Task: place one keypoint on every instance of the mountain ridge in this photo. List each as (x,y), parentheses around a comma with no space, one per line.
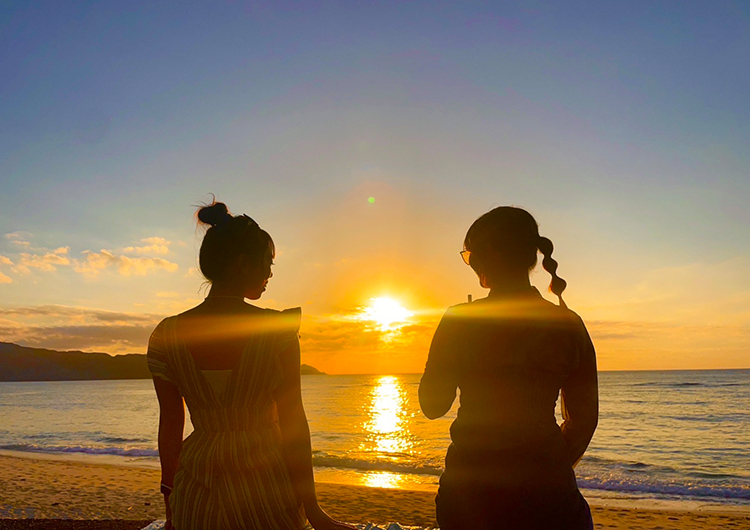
(22,363)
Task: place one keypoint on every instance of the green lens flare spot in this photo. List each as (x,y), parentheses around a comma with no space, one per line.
(371,200)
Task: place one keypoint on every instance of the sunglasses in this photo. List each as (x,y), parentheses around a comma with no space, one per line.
(466,256)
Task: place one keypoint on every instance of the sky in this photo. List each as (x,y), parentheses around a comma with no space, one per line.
(623,127)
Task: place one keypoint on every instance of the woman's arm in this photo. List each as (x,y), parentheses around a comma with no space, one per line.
(171,410)
(171,428)
(580,400)
(437,389)
(295,439)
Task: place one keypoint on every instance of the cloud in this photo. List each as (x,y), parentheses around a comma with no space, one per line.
(642,345)
(74,314)
(689,294)
(17,235)
(96,262)
(4,278)
(110,339)
(155,245)
(19,238)
(624,330)
(92,263)
(342,334)
(76,328)
(48,261)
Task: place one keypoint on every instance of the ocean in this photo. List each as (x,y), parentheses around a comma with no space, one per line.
(663,436)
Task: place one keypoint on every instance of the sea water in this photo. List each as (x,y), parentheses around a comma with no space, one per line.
(666,436)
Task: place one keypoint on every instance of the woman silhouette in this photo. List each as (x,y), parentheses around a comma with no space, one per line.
(248,464)
(509,464)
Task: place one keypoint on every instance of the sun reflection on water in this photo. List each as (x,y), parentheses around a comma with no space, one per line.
(383,479)
(387,428)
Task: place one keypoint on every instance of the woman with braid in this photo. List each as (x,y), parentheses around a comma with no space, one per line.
(510,465)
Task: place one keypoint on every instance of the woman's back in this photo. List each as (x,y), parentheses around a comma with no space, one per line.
(248,463)
(511,354)
(231,466)
(509,357)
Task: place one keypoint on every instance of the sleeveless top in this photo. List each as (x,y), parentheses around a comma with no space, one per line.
(232,474)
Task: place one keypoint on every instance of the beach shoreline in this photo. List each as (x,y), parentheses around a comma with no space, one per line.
(58,487)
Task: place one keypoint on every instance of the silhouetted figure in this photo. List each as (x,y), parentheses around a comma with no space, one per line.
(248,464)
(509,464)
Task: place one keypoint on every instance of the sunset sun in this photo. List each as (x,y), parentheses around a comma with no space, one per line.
(386,312)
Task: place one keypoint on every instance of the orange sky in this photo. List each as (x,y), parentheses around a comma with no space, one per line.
(336,255)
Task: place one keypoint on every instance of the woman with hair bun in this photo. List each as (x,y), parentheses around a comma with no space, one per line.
(510,466)
(248,463)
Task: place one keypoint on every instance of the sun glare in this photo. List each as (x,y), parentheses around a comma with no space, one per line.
(385,312)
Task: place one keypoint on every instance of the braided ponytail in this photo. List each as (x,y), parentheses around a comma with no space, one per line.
(557,285)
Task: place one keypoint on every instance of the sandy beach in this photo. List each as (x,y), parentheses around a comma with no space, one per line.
(70,495)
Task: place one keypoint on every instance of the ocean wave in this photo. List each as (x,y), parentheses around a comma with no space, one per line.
(624,485)
(713,418)
(120,440)
(375,465)
(594,473)
(78,449)
(591,459)
(683,384)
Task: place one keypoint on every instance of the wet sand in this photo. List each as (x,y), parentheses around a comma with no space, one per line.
(43,494)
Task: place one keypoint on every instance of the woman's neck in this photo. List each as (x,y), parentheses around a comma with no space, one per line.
(220,290)
(510,284)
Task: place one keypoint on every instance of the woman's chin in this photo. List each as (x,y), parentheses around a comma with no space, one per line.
(256,294)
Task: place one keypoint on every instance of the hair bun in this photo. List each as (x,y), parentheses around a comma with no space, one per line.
(213,214)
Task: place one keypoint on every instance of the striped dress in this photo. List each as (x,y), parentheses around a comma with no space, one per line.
(232,474)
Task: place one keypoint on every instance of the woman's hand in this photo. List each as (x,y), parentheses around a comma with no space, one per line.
(168,526)
(320,520)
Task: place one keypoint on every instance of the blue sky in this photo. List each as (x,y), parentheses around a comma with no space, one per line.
(623,127)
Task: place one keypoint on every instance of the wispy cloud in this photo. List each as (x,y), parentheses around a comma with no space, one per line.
(19,238)
(96,262)
(346,335)
(47,261)
(110,339)
(76,328)
(669,346)
(91,263)
(696,293)
(74,314)
(17,235)
(154,245)
(3,277)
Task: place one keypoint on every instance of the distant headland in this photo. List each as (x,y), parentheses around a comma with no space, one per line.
(19,363)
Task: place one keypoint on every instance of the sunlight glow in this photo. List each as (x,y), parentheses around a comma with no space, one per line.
(386,312)
(388,432)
